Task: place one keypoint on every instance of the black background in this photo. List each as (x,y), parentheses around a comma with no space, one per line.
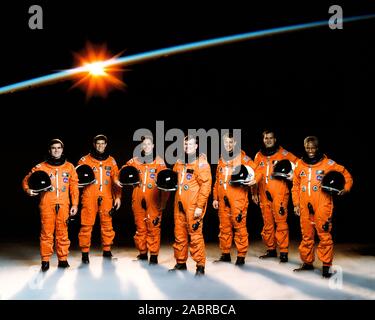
(310,82)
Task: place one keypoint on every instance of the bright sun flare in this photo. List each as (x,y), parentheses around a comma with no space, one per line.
(97,79)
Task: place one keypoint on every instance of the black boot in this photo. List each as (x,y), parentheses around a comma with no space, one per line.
(326,273)
(142,256)
(225,257)
(269,254)
(63,264)
(200,271)
(240,261)
(107,254)
(85,258)
(283,256)
(305,267)
(153,259)
(45,266)
(178,266)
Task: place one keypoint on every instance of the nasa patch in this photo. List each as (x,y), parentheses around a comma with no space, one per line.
(152,175)
(66,180)
(188,176)
(319,178)
(108,173)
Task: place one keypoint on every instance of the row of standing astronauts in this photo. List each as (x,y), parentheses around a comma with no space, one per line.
(314,179)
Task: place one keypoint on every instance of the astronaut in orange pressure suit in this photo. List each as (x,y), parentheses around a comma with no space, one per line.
(99,198)
(55,204)
(147,202)
(274,196)
(232,202)
(194,187)
(315,206)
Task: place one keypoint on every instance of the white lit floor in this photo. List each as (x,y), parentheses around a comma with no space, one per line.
(126,278)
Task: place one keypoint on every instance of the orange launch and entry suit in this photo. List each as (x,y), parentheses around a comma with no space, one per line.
(98,198)
(233,203)
(274,198)
(146,205)
(306,192)
(54,207)
(194,187)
